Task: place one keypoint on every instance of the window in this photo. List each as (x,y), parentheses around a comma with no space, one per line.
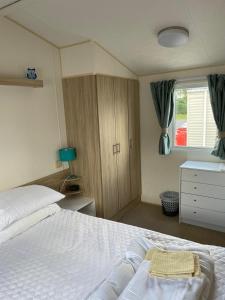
(194,125)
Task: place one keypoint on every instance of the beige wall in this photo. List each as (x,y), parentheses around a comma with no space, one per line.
(32,125)
(89,58)
(78,59)
(161,173)
(106,64)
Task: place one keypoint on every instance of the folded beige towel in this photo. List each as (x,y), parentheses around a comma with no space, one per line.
(174,264)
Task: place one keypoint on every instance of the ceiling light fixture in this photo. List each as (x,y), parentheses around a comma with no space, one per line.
(173,36)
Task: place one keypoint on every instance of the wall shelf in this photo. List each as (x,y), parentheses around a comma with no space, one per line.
(21,82)
(71,193)
(75,178)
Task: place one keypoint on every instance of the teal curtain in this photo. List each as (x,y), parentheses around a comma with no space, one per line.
(162,93)
(217,97)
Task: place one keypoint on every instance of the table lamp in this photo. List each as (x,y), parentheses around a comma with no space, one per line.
(68,154)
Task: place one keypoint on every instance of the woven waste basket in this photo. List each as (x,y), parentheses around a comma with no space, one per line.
(170,203)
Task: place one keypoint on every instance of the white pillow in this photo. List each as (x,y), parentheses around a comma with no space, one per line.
(20,202)
(25,223)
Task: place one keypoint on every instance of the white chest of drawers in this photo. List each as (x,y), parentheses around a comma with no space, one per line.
(202,194)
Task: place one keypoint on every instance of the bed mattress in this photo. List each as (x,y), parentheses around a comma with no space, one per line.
(68,255)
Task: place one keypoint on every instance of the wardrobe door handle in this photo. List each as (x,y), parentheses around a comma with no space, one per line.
(114,149)
(117,148)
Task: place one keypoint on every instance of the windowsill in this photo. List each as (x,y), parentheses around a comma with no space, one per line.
(195,153)
(177,148)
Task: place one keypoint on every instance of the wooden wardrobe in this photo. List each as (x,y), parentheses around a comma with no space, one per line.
(102,119)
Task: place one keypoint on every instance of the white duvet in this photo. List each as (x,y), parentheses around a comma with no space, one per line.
(68,256)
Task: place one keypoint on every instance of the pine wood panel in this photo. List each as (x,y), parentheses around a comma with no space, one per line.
(134,136)
(122,137)
(81,113)
(107,128)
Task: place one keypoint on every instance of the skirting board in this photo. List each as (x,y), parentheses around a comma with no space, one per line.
(131,205)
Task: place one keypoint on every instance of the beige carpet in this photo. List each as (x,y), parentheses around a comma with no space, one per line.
(151,217)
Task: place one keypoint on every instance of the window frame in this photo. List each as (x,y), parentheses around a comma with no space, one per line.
(188,83)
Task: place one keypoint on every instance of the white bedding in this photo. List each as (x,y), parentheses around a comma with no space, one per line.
(68,255)
(23,224)
(22,201)
(130,279)
(143,286)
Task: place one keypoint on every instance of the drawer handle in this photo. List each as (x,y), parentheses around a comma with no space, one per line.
(195,200)
(196,175)
(195,188)
(194,212)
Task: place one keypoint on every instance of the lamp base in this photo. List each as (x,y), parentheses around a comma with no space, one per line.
(71,170)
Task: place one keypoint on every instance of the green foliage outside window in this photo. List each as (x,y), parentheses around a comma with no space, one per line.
(181,104)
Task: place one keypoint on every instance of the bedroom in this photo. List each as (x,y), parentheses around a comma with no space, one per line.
(100,67)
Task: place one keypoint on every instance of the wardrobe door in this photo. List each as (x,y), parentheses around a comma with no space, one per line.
(122,137)
(134,138)
(107,129)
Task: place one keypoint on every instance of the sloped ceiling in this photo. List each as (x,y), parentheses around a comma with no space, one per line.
(128,29)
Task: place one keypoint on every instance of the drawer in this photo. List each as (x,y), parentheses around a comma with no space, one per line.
(202,215)
(203,202)
(202,189)
(217,178)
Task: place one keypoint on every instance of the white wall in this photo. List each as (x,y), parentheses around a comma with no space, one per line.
(161,173)
(32,125)
(89,58)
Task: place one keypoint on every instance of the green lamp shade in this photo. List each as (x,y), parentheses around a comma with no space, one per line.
(67,154)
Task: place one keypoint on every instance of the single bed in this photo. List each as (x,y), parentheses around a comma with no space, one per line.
(69,254)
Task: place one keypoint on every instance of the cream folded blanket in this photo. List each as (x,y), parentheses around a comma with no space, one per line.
(173,264)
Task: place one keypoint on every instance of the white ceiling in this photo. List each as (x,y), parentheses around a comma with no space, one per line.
(6,3)
(128,29)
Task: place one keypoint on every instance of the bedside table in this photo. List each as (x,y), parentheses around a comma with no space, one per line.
(82,204)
